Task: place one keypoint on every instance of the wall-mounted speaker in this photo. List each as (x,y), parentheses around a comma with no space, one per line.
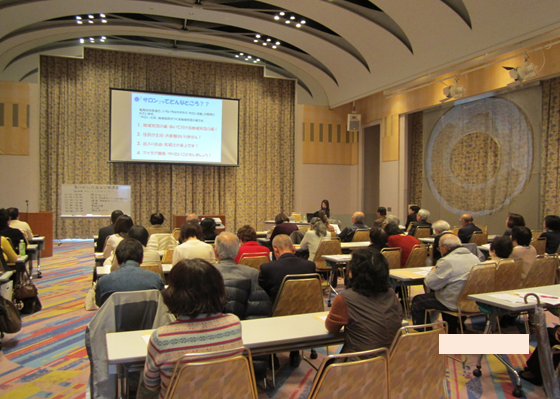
(354,122)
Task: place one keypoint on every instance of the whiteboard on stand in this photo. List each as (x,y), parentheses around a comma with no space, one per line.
(94,200)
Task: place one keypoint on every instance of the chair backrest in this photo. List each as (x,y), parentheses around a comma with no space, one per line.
(418,256)
(361,235)
(479,238)
(393,256)
(508,275)
(154,268)
(297,236)
(220,374)
(413,357)
(484,229)
(542,272)
(540,245)
(360,375)
(327,246)
(480,280)
(167,256)
(422,232)
(254,260)
(299,294)
(535,234)
(176,234)
(456,230)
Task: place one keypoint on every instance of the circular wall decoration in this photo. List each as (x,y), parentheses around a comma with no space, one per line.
(479,156)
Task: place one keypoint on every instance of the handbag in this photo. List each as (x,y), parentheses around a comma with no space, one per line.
(10,320)
(90,299)
(25,290)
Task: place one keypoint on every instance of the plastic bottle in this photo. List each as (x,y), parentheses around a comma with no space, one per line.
(21,247)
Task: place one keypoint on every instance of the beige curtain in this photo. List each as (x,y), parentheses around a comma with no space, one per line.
(416,121)
(74,138)
(550,155)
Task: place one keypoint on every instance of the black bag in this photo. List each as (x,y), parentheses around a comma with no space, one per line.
(10,321)
(25,293)
(30,305)
(24,290)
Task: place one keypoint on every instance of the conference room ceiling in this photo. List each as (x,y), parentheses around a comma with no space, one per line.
(341,51)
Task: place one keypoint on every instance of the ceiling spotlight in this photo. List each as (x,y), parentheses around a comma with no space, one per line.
(90,21)
(82,40)
(256,41)
(264,43)
(241,54)
(254,62)
(292,17)
(103,21)
(90,16)
(522,73)
(103,38)
(298,25)
(287,21)
(273,46)
(102,15)
(258,59)
(302,22)
(236,55)
(258,36)
(454,91)
(276,17)
(78,17)
(79,22)
(282,13)
(269,39)
(277,43)
(249,56)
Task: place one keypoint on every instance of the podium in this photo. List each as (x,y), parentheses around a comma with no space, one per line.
(41,224)
(178,221)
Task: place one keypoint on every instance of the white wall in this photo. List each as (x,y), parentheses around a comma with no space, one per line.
(19,177)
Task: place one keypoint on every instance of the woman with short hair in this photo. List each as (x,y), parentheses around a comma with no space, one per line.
(122,225)
(192,247)
(156,221)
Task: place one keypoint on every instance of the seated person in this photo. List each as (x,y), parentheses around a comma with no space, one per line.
(378,238)
(421,221)
(191,246)
(156,221)
(325,220)
(500,248)
(313,237)
(283,226)
(522,248)
(347,234)
(129,276)
(249,245)
(381,216)
(15,235)
(325,207)
(440,228)
(106,231)
(411,217)
(513,219)
(445,281)
(8,252)
(552,233)
(141,234)
(196,294)
(208,229)
(368,309)
(122,225)
(467,229)
(15,223)
(398,239)
(226,249)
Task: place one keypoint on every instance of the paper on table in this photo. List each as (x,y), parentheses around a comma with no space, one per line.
(322,317)
(146,338)
(518,297)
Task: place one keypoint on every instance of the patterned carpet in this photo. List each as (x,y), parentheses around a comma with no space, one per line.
(47,358)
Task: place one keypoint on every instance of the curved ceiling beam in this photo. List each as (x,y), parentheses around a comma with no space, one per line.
(461,9)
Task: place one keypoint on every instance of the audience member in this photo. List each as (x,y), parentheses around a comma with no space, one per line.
(283,226)
(325,208)
(378,238)
(15,223)
(522,248)
(368,309)
(226,249)
(192,217)
(8,252)
(381,216)
(347,234)
(106,231)
(445,280)
(249,245)
(15,235)
(552,233)
(156,221)
(139,233)
(325,220)
(440,228)
(191,246)
(411,217)
(514,219)
(391,219)
(121,227)
(398,239)
(421,221)
(129,276)
(500,248)
(208,226)
(313,237)
(196,294)
(467,229)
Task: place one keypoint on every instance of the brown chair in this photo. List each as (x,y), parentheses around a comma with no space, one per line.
(327,246)
(416,369)
(456,230)
(393,256)
(423,232)
(508,275)
(167,256)
(361,235)
(417,257)
(479,238)
(536,234)
(176,234)
(155,268)
(542,272)
(540,245)
(353,375)
(221,374)
(484,229)
(254,260)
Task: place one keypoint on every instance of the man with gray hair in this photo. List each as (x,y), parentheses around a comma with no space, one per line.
(227,247)
(440,228)
(421,220)
(357,223)
(467,229)
(445,281)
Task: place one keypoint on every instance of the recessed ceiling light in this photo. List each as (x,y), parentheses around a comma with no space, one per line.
(269,39)
(287,21)
(282,13)
(273,46)
(258,59)
(249,56)
(292,17)
(90,16)
(298,25)
(79,22)
(82,40)
(102,15)
(103,21)
(241,54)
(256,41)
(258,36)
(78,17)
(302,22)
(103,37)
(236,55)
(277,43)
(276,17)
(264,44)
(90,21)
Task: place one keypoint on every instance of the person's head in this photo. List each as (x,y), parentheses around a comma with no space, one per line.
(190,230)
(448,242)
(368,272)
(413,209)
(440,226)
(552,222)
(325,205)
(282,244)
(281,218)
(323,217)
(358,217)
(195,287)
(123,224)
(129,249)
(157,219)
(115,215)
(378,236)
(382,211)
(4,217)
(465,219)
(246,233)
(319,227)
(423,215)
(14,213)
(139,233)
(392,229)
(391,219)
(521,235)
(208,226)
(515,219)
(227,246)
(192,217)
(501,247)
